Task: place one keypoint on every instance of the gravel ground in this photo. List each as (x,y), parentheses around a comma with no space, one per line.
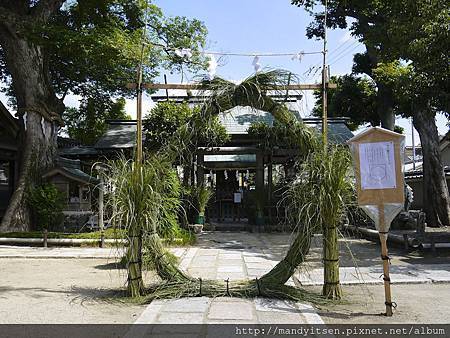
(44,291)
(416,304)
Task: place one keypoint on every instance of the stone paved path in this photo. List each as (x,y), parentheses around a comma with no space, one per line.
(222,255)
(225,310)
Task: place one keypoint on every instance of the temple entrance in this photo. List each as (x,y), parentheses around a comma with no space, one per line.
(232,204)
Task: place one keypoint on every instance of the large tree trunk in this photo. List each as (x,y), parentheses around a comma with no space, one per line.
(38,109)
(385,105)
(436,196)
(385,101)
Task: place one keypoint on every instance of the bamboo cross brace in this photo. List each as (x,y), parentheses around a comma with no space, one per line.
(305,86)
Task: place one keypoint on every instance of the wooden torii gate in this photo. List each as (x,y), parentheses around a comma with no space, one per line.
(140,86)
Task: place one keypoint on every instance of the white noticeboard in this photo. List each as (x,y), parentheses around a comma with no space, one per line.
(377,165)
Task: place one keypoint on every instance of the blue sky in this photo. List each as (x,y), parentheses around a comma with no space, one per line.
(260,26)
(263,26)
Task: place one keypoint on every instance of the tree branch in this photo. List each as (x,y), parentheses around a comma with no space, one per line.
(45,8)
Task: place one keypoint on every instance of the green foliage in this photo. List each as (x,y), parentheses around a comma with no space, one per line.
(92,48)
(166,118)
(201,196)
(47,203)
(146,200)
(322,190)
(110,233)
(88,122)
(392,30)
(354,97)
(399,129)
(419,34)
(163,121)
(170,204)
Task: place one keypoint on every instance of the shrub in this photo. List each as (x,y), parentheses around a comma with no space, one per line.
(47,203)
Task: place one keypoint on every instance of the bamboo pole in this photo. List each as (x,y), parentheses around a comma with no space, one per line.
(324,82)
(101,223)
(45,238)
(193,86)
(139,120)
(385,258)
(134,251)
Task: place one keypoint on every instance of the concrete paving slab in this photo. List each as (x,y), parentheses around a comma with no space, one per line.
(256,272)
(279,318)
(275,305)
(230,262)
(199,304)
(236,310)
(180,318)
(226,268)
(231,276)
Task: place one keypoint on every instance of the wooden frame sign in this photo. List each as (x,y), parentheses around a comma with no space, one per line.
(378,161)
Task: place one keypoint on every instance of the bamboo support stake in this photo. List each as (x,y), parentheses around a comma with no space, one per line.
(101,223)
(384,256)
(139,120)
(324,82)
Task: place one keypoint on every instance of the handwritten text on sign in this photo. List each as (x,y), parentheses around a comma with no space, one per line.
(377,165)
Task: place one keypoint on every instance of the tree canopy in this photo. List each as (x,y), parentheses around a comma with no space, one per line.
(354,97)
(406,56)
(93,47)
(166,118)
(88,122)
(90,48)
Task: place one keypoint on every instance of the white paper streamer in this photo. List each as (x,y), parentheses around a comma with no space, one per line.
(298,56)
(25,120)
(183,53)
(212,66)
(256,64)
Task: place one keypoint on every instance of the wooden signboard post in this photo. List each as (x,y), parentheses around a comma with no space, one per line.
(378,161)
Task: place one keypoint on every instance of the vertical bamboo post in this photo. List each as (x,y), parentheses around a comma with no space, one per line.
(134,251)
(324,82)
(139,120)
(101,223)
(45,240)
(384,256)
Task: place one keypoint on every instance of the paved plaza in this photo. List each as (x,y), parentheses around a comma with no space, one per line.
(233,256)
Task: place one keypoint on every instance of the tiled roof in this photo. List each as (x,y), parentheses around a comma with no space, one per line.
(238,119)
(418,173)
(78,150)
(72,170)
(121,134)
